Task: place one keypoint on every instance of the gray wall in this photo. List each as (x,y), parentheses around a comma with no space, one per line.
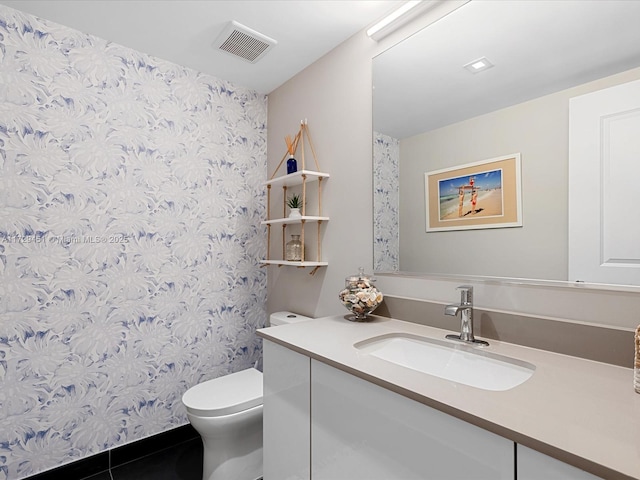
(334,95)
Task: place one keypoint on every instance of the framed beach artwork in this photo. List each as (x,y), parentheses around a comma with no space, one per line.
(485,194)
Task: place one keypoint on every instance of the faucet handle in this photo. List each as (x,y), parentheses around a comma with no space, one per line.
(466,294)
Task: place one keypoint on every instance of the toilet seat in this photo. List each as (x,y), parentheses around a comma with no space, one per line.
(225,395)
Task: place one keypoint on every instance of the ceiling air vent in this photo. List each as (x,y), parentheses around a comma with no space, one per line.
(243,42)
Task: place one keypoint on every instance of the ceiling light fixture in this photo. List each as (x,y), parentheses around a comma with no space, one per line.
(478,65)
(384,26)
(433,11)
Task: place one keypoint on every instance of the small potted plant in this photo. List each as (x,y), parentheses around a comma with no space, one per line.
(294,202)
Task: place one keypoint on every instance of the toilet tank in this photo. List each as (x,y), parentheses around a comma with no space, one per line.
(283,318)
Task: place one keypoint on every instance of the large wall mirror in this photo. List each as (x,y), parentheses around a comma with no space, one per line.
(432,113)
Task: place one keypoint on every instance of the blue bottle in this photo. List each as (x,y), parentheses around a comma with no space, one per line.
(292,165)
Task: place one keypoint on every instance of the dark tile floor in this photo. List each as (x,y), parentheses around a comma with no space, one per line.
(182,462)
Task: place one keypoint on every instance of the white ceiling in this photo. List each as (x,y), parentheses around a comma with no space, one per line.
(183,31)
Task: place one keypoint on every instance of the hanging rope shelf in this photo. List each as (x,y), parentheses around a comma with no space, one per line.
(299,181)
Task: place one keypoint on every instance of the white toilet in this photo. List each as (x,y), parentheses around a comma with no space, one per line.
(227,413)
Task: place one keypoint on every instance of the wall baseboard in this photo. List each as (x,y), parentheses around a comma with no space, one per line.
(118,456)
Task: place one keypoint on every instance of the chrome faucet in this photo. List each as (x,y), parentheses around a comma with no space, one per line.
(465,307)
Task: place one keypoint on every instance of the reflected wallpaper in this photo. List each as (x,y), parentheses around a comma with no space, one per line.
(131,194)
(386,203)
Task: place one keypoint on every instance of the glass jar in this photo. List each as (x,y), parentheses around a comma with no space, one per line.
(360,296)
(293,249)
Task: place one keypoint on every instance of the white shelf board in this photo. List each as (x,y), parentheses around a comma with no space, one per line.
(294,264)
(296,178)
(294,220)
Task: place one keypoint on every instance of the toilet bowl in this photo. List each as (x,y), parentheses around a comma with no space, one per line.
(227,413)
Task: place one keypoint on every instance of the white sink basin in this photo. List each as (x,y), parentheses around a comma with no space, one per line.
(456,362)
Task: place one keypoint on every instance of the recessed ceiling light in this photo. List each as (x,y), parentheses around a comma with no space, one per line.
(478,65)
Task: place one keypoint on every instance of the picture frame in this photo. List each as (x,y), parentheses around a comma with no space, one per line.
(479,195)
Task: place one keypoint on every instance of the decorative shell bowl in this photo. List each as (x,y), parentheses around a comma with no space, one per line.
(360,297)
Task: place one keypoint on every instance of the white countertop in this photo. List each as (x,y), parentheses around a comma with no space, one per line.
(582,412)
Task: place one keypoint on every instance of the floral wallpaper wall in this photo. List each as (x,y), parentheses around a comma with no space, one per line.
(386,198)
(131,194)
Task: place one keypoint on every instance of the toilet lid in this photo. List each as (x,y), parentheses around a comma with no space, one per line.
(225,395)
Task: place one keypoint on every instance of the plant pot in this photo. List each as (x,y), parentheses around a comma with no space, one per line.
(294,213)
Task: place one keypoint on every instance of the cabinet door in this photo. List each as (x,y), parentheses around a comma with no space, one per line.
(534,465)
(286,420)
(363,431)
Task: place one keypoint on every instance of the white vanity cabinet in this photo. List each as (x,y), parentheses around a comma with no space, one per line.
(534,465)
(360,431)
(321,423)
(334,412)
(286,414)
